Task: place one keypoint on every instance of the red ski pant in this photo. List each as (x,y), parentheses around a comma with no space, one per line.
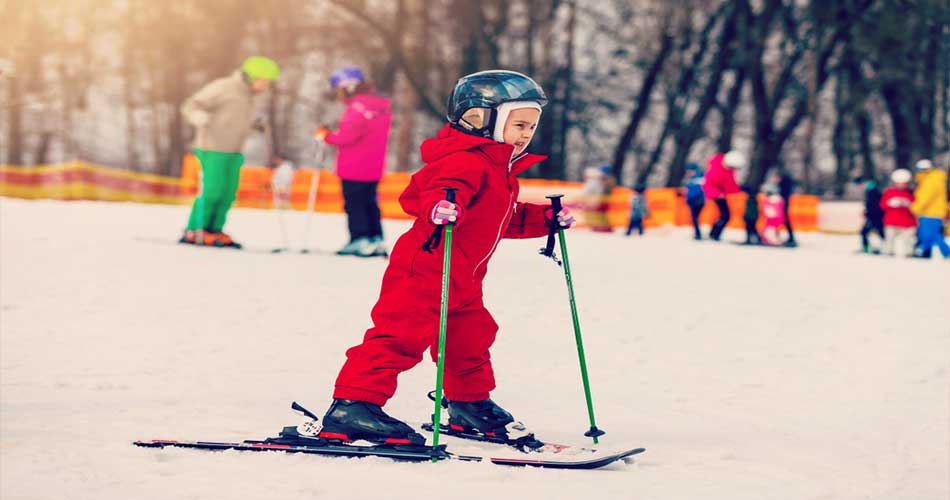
(406,323)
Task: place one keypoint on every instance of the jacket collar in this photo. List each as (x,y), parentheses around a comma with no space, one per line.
(449,139)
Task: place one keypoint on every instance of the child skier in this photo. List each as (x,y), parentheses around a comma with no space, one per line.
(873,216)
(598,187)
(638,210)
(492,117)
(695,198)
(773,207)
(930,206)
(899,222)
(361,157)
(751,216)
(223,113)
(720,182)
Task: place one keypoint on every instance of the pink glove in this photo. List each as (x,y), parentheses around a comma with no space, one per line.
(444,212)
(564,218)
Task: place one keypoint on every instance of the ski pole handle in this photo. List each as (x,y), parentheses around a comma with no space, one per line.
(450,194)
(553,229)
(555,206)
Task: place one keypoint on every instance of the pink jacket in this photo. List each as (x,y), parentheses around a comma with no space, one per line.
(774,209)
(720,180)
(362,137)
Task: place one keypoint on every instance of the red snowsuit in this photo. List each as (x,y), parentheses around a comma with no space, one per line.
(406,316)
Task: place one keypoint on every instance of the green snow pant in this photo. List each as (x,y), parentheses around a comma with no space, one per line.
(220,173)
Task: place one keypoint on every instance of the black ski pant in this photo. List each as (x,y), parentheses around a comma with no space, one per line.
(362,210)
(694,211)
(635,223)
(788,220)
(871,225)
(724,215)
(751,233)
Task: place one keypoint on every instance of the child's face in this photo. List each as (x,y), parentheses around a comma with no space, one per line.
(260,86)
(519,129)
(901,185)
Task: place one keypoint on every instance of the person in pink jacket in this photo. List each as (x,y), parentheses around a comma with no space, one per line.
(721,181)
(774,210)
(361,157)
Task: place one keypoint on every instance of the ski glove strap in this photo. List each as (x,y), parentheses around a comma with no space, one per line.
(434,239)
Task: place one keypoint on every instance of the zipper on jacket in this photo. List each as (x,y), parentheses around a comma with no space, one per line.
(504,220)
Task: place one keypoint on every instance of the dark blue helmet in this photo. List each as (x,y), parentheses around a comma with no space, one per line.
(488,90)
(346,77)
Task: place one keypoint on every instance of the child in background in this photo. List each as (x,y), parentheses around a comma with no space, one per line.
(695,197)
(899,222)
(930,206)
(721,182)
(751,217)
(598,186)
(638,210)
(873,216)
(774,210)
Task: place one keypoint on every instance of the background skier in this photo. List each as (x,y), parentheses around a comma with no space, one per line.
(720,182)
(899,222)
(223,114)
(695,198)
(361,157)
(638,210)
(873,215)
(930,206)
(751,216)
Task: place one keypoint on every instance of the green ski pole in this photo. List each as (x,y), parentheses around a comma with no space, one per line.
(443,320)
(548,251)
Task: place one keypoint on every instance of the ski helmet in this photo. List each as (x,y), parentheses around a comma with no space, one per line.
(494,95)
(260,68)
(924,164)
(734,159)
(347,77)
(901,176)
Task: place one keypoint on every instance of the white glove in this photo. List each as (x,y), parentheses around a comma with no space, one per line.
(897,203)
(283,176)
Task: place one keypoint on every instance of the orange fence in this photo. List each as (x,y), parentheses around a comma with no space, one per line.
(78,180)
(83,181)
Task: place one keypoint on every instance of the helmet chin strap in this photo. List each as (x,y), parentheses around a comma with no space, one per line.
(501,116)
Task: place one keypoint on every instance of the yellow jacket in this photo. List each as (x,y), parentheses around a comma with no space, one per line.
(930,197)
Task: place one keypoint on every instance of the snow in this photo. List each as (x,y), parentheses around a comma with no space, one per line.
(747,373)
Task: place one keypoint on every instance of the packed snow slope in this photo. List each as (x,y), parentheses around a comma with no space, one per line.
(747,373)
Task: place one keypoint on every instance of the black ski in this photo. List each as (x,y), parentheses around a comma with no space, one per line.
(290,440)
(394,452)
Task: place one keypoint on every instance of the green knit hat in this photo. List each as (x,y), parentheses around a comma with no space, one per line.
(260,68)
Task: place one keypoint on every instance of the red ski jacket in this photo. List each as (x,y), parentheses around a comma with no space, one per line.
(898,216)
(487,198)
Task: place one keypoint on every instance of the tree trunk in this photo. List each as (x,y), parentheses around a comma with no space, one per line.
(568,78)
(687,136)
(15,124)
(728,112)
(808,148)
(642,105)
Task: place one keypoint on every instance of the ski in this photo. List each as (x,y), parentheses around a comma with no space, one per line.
(403,453)
(292,440)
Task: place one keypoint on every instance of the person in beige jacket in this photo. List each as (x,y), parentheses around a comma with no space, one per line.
(223,114)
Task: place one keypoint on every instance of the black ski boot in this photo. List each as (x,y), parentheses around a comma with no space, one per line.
(490,420)
(348,420)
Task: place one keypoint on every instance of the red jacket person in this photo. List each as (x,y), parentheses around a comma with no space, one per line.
(492,118)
